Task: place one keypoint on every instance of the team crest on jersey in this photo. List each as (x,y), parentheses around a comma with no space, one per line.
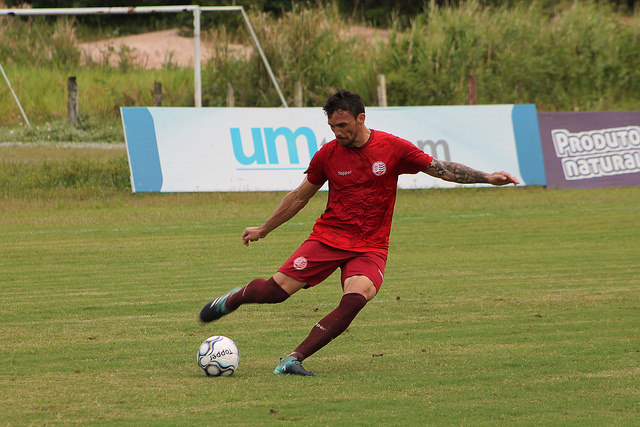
(300,263)
(379,168)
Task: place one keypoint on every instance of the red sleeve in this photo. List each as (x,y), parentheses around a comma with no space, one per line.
(315,172)
(412,159)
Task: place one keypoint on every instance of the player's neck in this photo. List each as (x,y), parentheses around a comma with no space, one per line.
(363,137)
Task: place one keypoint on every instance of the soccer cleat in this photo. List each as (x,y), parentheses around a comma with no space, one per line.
(216,308)
(291,365)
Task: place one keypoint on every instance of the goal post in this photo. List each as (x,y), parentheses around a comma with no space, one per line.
(194,9)
(15,97)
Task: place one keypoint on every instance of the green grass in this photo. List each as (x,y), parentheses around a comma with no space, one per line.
(57,171)
(499,307)
(61,131)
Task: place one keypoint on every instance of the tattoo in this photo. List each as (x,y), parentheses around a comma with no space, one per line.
(455,172)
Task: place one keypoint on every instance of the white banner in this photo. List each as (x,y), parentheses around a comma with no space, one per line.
(268,149)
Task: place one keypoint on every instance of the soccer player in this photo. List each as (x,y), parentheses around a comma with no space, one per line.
(362,166)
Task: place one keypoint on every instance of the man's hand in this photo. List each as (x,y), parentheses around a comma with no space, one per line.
(252,234)
(288,208)
(502,178)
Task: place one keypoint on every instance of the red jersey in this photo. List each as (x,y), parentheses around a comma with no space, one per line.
(362,190)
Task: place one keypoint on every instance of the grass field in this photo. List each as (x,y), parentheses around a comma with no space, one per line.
(500,307)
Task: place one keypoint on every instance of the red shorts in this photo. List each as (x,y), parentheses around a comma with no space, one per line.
(313,262)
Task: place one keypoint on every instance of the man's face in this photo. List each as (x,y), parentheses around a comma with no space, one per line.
(345,127)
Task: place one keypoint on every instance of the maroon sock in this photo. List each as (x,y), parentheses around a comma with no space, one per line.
(257,291)
(332,325)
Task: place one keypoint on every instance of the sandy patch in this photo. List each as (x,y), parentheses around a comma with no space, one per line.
(153,50)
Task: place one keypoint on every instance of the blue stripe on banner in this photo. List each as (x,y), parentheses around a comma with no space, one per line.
(528,144)
(144,160)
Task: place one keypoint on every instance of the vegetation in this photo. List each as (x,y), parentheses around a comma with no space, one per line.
(79,177)
(376,12)
(582,56)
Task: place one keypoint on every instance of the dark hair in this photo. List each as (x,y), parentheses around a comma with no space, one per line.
(346,101)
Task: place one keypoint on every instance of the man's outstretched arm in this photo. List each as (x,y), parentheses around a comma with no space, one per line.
(457,172)
(290,205)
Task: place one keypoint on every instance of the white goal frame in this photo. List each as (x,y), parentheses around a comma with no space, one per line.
(196,10)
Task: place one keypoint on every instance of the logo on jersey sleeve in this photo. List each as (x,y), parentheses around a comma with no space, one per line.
(379,168)
(300,263)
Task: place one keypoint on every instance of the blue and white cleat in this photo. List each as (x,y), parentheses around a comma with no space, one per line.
(291,365)
(216,308)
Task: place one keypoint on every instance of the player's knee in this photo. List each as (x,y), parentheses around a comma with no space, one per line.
(360,285)
(287,283)
(274,293)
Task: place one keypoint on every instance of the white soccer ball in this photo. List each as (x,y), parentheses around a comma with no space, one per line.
(218,356)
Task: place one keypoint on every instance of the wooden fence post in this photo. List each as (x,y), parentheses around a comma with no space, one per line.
(473,91)
(72,104)
(298,101)
(382,90)
(231,102)
(157,94)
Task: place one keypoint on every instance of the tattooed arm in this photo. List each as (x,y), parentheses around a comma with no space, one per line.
(457,172)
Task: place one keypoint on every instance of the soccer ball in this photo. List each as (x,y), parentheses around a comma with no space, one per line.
(218,356)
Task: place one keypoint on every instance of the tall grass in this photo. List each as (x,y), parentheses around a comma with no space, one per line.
(308,46)
(582,56)
(76,177)
(101,92)
(40,57)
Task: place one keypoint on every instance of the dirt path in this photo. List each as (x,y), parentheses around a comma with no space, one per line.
(152,50)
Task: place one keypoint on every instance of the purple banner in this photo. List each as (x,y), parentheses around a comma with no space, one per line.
(591,150)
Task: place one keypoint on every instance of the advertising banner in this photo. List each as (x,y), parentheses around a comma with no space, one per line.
(268,149)
(592,149)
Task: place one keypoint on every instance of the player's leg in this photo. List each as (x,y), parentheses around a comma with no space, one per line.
(330,326)
(259,291)
(310,264)
(361,279)
(358,290)
(360,284)
(307,266)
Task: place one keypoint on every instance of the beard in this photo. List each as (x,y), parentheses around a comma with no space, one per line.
(347,142)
